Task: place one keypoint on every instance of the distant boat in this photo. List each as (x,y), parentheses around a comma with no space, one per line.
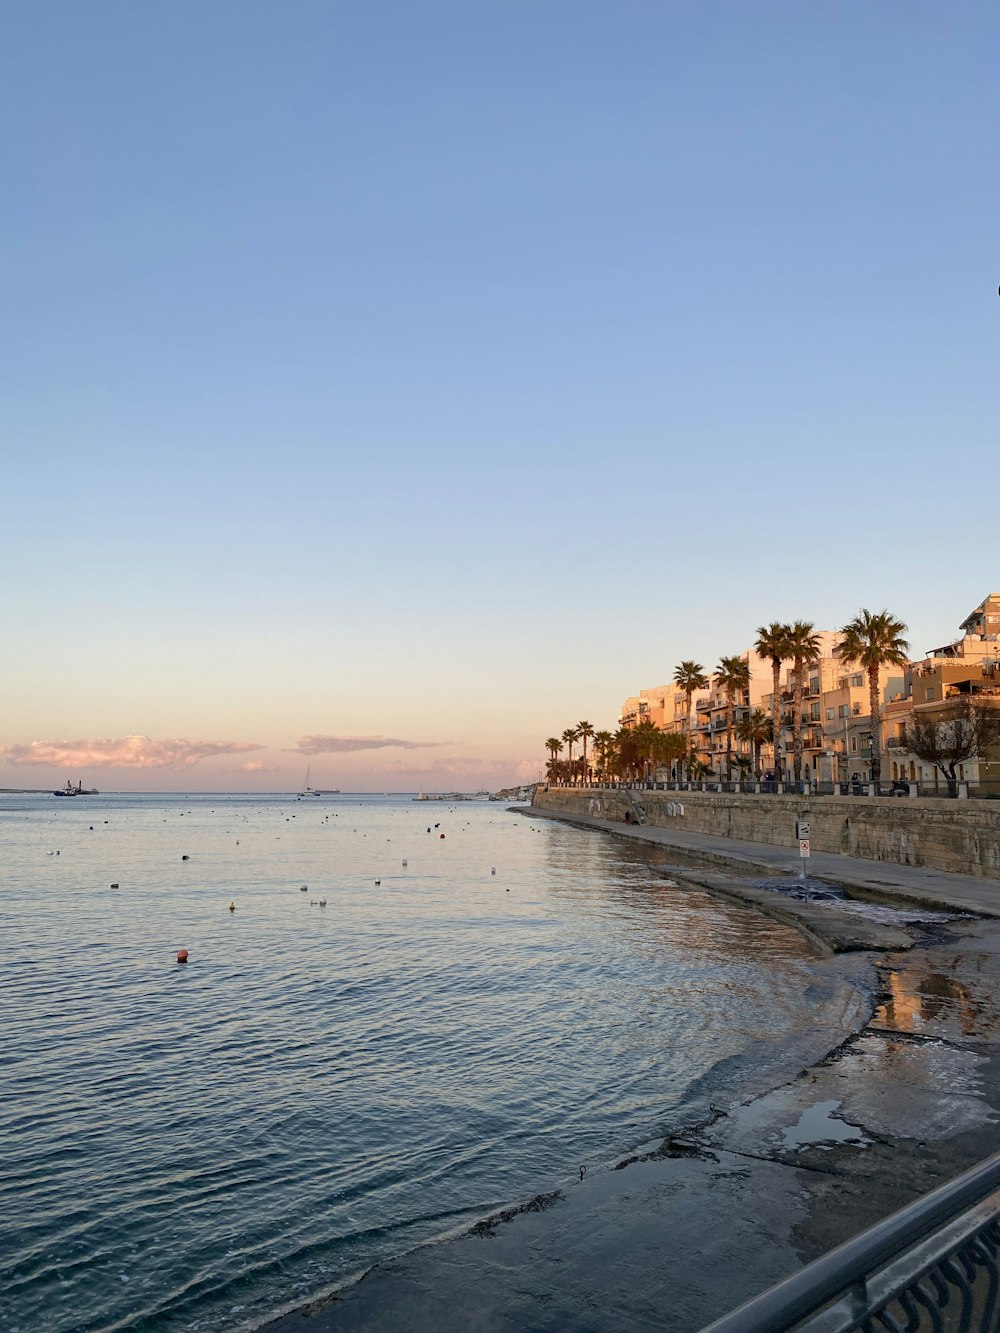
(78,790)
(312,791)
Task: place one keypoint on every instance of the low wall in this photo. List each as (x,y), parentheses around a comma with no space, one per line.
(960,836)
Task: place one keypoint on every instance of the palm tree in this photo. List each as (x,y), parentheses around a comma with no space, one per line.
(874,639)
(690,676)
(755,729)
(628,754)
(672,747)
(646,739)
(555,747)
(603,741)
(772,645)
(570,736)
(583,730)
(803,647)
(733,676)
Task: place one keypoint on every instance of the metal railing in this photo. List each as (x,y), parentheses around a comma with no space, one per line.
(988,790)
(935,1264)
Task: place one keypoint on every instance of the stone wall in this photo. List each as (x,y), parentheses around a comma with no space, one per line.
(960,836)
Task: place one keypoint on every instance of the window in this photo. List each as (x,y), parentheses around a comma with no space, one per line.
(814,712)
(857,680)
(830,712)
(854,743)
(856,709)
(929,693)
(844,710)
(814,685)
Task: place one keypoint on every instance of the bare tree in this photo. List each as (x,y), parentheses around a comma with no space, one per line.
(948,736)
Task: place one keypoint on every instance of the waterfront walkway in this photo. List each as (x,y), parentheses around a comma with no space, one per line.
(935,889)
(684,1230)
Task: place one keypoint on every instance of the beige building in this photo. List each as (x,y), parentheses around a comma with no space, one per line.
(969,666)
(836,719)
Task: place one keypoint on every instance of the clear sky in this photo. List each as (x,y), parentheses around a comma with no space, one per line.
(442,373)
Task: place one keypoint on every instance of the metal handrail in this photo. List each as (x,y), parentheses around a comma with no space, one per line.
(847,1269)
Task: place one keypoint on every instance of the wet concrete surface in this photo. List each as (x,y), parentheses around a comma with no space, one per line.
(687,1229)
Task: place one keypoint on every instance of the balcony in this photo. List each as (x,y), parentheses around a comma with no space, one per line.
(896,743)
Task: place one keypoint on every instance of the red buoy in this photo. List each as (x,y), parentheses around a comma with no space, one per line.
(182,955)
(442,835)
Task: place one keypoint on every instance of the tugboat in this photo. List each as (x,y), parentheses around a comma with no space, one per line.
(78,790)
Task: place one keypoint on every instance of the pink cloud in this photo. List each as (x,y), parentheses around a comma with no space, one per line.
(128,752)
(351,744)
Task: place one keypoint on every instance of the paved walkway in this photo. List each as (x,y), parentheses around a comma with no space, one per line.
(883,880)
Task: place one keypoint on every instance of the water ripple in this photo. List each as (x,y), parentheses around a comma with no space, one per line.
(320,1087)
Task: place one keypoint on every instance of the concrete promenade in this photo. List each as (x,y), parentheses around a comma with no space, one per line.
(903,1098)
(881,880)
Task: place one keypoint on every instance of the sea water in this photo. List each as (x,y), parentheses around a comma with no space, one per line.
(485,1003)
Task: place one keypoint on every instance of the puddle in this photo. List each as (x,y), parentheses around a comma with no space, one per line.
(936,1003)
(821,893)
(818,1127)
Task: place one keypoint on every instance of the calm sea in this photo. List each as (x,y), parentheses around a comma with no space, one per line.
(203,1146)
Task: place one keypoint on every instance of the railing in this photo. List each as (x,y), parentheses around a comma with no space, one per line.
(935,1264)
(860,787)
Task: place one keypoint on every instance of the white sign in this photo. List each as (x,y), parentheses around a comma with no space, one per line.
(802,828)
(803,847)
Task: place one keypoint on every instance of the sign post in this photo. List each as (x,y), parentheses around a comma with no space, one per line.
(802,833)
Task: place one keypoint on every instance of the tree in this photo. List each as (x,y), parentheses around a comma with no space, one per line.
(672,747)
(570,736)
(772,645)
(946,737)
(628,752)
(733,676)
(554,746)
(646,739)
(603,742)
(755,729)
(583,730)
(874,639)
(690,676)
(803,648)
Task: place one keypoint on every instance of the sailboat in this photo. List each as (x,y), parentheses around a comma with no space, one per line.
(312,791)
(307,789)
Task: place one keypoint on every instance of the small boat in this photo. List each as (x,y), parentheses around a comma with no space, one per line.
(78,790)
(313,791)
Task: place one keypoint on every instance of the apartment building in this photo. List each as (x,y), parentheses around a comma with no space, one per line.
(970,666)
(836,715)
(663,705)
(837,730)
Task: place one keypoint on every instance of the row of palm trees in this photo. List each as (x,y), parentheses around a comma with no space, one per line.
(872,640)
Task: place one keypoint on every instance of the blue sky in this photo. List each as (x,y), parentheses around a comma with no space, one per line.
(447,372)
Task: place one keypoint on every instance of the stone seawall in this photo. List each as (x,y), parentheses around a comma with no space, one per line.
(958,836)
